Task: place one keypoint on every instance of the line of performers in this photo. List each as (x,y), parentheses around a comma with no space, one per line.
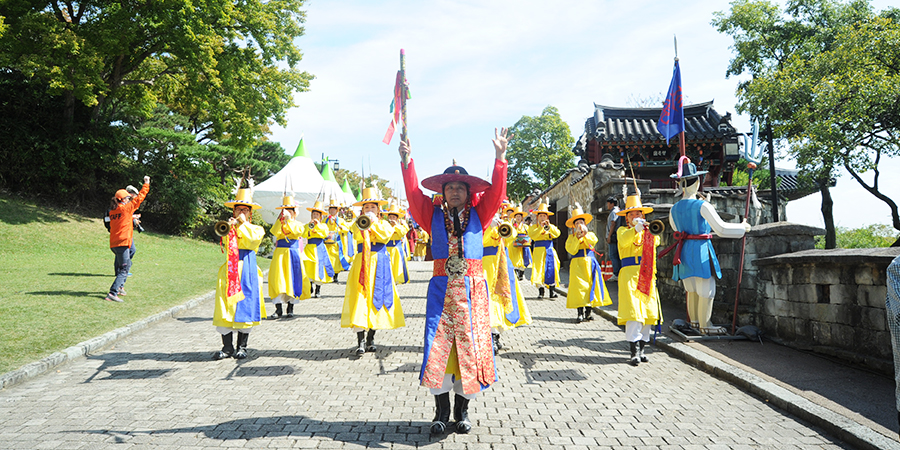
(473,294)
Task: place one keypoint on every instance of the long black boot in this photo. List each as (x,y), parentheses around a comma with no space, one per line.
(497,338)
(227,347)
(494,338)
(277,313)
(461,414)
(242,339)
(541,292)
(290,310)
(441,414)
(370,341)
(634,357)
(318,286)
(360,342)
(580,317)
(552,290)
(587,313)
(641,354)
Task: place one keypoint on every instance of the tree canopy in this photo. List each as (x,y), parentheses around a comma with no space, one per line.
(825,74)
(539,153)
(229,67)
(94,95)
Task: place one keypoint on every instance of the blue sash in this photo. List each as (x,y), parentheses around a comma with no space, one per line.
(383,290)
(396,243)
(296,263)
(247,310)
(595,270)
(549,261)
(526,253)
(324,265)
(513,316)
(490,251)
(341,257)
(631,261)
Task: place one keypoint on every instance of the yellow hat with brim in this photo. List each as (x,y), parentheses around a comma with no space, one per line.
(243,198)
(317,206)
(542,208)
(579,214)
(370,195)
(633,203)
(394,209)
(287,202)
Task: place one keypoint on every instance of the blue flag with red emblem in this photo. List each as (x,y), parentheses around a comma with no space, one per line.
(671,120)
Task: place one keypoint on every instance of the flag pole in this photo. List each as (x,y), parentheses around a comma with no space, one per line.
(403,95)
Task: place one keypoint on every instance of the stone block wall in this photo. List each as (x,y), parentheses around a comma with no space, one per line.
(830,301)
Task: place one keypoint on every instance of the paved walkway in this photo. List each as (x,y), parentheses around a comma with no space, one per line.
(562,385)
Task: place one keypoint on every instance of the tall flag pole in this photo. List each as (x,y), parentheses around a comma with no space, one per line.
(671,120)
(398,104)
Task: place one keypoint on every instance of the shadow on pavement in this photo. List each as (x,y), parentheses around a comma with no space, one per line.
(370,434)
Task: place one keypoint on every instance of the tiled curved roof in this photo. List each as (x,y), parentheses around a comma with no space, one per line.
(701,122)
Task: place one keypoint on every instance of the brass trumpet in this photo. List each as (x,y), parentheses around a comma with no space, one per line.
(657,227)
(506,229)
(363,222)
(221,228)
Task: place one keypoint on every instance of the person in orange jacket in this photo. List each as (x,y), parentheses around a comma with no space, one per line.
(121,233)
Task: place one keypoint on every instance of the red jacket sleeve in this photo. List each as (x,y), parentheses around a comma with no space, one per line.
(489,201)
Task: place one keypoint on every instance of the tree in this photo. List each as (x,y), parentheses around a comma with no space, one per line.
(824,73)
(230,67)
(539,153)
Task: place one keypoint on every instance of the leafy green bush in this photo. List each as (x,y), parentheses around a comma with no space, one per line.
(872,236)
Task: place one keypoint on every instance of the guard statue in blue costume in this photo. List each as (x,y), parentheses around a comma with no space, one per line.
(695,264)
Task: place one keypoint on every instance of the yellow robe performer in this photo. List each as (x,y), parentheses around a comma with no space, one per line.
(317,264)
(421,244)
(508,308)
(545,269)
(239,304)
(288,282)
(371,300)
(638,310)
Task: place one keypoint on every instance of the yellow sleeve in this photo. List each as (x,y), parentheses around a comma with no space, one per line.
(250,236)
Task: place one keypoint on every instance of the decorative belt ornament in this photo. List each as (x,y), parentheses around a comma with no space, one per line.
(456,267)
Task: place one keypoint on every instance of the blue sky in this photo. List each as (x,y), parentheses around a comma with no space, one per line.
(476,65)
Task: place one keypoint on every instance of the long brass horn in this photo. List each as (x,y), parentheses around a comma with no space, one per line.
(505,229)
(657,227)
(363,222)
(221,228)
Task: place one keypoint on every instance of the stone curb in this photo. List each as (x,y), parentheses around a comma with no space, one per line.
(838,426)
(89,346)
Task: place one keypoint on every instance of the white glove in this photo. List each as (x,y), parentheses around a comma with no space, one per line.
(495,222)
(372,216)
(639,224)
(746,226)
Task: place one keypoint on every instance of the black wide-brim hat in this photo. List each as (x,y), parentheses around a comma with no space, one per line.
(455,173)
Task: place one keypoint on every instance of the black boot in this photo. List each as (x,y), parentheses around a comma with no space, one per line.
(634,357)
(360,342)
(497,338)
(318,286)
(461,414)
(277,313)
(552,291)
(587,313)
(541,292)
(580,317)
(227,347)
(494,337)
(334,279)
(370,341)
(520,274)
(641,354)
(441,414)
(290,310)
(242,339)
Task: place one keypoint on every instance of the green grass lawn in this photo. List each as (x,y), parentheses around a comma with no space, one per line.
(56,268)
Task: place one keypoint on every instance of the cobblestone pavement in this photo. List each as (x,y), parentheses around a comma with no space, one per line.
(562,385)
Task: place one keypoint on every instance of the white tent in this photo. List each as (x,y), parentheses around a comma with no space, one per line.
(300,176)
